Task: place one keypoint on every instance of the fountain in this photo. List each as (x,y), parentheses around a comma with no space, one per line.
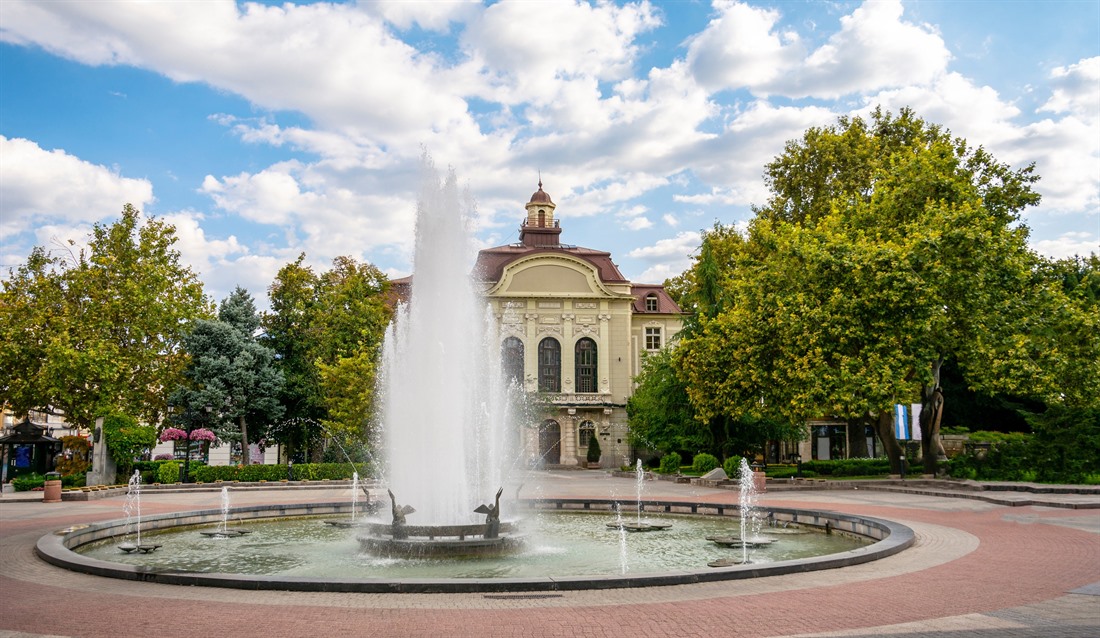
(639,525)
(447,429)
(132,509)
(223,530)
(749,521)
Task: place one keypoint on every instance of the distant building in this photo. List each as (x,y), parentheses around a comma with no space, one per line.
(573,331)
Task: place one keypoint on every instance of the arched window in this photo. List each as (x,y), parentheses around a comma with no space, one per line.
(549,365)
(585,432)
(511,361)
(585,357)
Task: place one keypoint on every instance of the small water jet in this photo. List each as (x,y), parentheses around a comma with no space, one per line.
(223,530)
(639,525)
(748,521)
(132,509)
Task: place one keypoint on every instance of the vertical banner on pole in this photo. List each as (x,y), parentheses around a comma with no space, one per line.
(915,428)
(901,422)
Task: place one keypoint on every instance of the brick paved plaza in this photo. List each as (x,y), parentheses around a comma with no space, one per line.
(978,568)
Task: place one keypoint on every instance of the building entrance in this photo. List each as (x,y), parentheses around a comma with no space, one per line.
(549,443)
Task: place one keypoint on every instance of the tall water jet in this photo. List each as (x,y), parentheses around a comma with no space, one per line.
(445,420)
(750,525)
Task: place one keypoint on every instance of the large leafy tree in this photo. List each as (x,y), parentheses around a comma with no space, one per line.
(888,246)
(660,413)
(231,372)
(327,330)
(288,329)
(99,331)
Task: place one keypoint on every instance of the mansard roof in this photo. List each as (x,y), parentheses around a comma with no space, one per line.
(492,261)
(665,304)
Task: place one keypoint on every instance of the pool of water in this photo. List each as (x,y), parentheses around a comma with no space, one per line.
(565,544)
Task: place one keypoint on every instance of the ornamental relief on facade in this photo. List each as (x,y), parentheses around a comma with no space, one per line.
(513,330)
(549,320)
(585,305)
(549,330)
(588,331)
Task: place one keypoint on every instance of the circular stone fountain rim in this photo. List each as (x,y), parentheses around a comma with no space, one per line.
(55,548)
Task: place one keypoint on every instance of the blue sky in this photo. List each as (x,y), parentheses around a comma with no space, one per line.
(263,130)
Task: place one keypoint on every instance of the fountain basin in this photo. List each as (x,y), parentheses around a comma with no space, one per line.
(889,538)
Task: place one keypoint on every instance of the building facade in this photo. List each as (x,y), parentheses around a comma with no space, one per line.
(573,331)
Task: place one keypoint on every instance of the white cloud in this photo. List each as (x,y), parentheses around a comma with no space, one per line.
(532,50)
(740,48)
(874,48)
(430,16)
(679,247)
(1076,89)
(335,63)
(1068,245)
(42,186)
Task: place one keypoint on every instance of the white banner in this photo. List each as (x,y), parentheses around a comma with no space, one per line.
(915,428)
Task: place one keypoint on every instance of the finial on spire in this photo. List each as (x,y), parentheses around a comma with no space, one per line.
(540,179)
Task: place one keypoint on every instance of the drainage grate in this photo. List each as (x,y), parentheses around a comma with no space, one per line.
(521,596)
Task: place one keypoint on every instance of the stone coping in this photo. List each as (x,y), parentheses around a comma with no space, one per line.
(890,538)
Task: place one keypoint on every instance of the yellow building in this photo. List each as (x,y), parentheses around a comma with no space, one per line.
(573,331)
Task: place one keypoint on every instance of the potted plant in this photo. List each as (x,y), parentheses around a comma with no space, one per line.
(593,455)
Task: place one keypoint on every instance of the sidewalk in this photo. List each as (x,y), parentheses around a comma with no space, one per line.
(979,568)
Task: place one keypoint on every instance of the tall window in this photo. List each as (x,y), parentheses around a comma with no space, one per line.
(549,365)
(651,303)
(511,361)
(653,338)
(584,354)
(585,433)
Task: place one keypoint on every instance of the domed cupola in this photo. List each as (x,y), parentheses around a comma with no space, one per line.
(540,228)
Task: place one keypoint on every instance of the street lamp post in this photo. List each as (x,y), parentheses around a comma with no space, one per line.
(189,425)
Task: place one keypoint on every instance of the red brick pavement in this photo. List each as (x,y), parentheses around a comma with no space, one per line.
(1016,563)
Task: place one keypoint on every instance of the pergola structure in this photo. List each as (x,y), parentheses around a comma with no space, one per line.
(29,449)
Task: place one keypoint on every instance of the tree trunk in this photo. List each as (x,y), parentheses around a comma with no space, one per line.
(245,460)
(931,414)
(857,438)
(884,426)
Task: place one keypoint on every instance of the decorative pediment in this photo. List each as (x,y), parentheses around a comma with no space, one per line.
(550,275)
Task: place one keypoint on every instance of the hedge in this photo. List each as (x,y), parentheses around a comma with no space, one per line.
(302,472)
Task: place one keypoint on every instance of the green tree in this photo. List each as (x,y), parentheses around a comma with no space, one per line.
(233,373)
(327,331)
(288,329)
(660,414)
(887,246)
(100,332)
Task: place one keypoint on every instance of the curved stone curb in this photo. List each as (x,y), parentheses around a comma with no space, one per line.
(56,549)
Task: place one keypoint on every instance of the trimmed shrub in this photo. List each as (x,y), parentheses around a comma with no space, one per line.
(703,463)
(670,463)
(168,472)
(28,482)
(74,480)
(594,452)
(732,467)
